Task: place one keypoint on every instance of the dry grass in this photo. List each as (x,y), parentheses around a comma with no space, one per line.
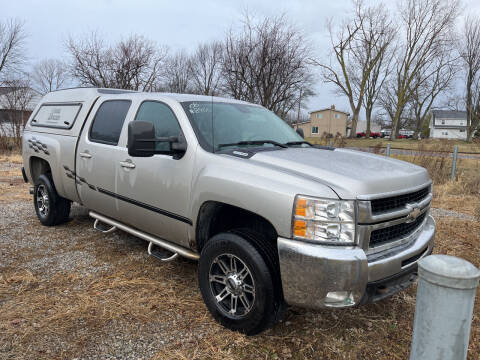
(406,144)
(68,314)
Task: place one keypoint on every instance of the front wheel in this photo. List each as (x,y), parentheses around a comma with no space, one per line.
(239,281)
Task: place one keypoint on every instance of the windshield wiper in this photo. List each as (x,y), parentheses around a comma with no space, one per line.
(254,142)
(297,143)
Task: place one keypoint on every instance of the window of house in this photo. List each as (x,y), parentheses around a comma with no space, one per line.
(462,130)
(337,116)
(108,122)
(443,122)
(162,118)
(319,116)
(314,129)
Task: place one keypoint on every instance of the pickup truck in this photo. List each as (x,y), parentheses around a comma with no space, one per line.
(272,220)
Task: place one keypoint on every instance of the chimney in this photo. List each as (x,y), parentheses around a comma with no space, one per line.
(332,107)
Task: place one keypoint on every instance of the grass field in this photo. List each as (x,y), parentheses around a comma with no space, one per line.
(71,292)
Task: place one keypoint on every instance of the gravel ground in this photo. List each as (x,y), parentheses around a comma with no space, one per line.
(438,213)
(49,253)
(105,298)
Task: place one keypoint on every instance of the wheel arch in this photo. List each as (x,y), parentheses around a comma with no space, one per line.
(38,166)
(215,217)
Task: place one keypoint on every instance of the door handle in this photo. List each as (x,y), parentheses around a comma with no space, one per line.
(85,155)
(127,164)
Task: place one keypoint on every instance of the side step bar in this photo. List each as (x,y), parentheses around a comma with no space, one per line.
(189,254)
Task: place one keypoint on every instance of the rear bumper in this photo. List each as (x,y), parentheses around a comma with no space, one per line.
(318,276)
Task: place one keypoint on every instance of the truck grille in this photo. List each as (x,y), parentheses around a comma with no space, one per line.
(399,201)
(392,233)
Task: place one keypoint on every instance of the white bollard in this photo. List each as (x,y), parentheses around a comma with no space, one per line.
(444,308)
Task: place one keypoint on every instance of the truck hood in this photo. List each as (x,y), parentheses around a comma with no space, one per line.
(351,174)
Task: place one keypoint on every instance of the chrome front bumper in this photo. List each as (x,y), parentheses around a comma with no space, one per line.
(318,276)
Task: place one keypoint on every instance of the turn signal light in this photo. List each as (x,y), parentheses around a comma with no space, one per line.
(300,228)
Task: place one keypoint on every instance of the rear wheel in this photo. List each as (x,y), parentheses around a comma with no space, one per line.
(51,208)
(239,281)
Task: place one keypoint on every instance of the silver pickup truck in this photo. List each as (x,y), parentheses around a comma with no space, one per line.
(271,219)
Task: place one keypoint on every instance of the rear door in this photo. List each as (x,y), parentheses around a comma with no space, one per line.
(98,155)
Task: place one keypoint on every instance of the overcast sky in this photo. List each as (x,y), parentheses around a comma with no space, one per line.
(177,24)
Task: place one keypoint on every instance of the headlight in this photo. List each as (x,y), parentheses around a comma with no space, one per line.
(324,220)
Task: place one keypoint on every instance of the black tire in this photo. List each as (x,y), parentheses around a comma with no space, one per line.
(259,255)
(57,210)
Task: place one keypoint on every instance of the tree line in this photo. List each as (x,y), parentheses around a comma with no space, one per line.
(394,65)
(405,62)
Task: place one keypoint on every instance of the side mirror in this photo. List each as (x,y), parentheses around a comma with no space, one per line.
(142,141)
(300,132)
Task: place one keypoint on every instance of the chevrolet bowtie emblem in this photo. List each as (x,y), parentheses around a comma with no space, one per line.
(414,213)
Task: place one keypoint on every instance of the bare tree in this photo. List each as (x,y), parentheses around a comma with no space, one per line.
(374,86)
(134,63)
(427,26)
(267,63)
(206,68)
(177,75)
(442,71)
(49,75)
(16,102)
(469,52)
(358,46)
(12,38)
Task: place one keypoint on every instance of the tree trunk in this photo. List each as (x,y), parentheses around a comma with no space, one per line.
(395,125)
(368,116)
(353,129)
(418,126)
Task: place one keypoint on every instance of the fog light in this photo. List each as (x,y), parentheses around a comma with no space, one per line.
(339,298)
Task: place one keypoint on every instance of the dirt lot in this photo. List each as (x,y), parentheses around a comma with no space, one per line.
(70,292)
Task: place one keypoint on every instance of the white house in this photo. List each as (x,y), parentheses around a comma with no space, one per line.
(448,124)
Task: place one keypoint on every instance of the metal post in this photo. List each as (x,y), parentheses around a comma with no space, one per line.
(454,161)
(388,150)
(444,309)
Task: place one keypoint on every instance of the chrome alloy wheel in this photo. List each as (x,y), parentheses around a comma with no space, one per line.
(43,202)
(232,285)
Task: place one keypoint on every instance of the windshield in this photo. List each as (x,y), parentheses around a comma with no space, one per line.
(221,125)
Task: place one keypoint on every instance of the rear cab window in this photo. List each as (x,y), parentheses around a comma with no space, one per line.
(108,122)
(61,116)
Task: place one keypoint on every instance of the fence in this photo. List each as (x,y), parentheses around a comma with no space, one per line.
(444,162)
(454,157)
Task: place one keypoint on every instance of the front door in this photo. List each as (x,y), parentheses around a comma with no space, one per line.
(154,191)
(97,156)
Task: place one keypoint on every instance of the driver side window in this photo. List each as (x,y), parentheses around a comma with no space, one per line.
(162,118)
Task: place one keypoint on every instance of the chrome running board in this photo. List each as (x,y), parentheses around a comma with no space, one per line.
(158,254)
(95,226)
(180,250)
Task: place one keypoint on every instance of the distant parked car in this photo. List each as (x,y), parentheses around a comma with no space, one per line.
(372,134)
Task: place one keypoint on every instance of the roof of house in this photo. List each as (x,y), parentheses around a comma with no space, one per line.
(449,114)
(329,108)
